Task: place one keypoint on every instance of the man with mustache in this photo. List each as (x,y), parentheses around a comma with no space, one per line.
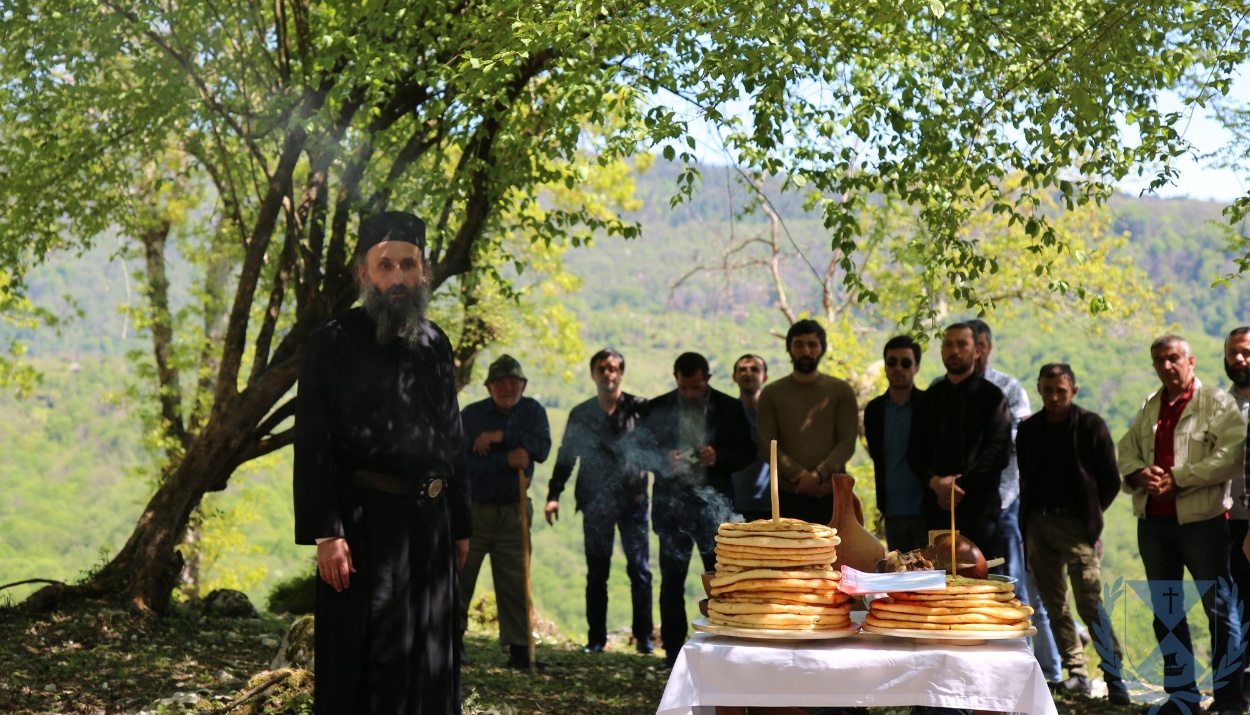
(967,446)
(815,420)
(1177,459)
(694,438)
(380,488)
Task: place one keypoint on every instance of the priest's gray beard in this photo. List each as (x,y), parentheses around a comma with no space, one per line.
(398,312)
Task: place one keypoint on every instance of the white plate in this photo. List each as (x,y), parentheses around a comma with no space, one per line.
(960,637)
(701,624)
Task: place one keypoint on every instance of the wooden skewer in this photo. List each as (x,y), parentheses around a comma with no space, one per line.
(772,479)
(953,566)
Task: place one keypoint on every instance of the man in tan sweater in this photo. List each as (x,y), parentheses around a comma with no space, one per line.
(815,421)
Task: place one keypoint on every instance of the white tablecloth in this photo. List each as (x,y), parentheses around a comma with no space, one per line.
(864,670)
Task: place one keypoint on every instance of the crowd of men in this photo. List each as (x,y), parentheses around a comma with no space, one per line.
(405,495)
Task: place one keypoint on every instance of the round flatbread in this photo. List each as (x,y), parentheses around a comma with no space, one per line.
(825,598)
(780,620)
(969,602)
(783,627)
(952,618)
(772,563)
(1001,612)
(783,526)
(756,574)
(777,584)
(764,544)
(808,555)
(874,620)
(727,608)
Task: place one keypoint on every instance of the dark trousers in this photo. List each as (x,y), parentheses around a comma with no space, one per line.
(906,533)
(599,525)
(1167,549)
(681,526)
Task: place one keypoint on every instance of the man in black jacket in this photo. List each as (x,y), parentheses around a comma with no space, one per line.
(694,439)
(611,492)
(1068,478)
(968,445)
(890,421)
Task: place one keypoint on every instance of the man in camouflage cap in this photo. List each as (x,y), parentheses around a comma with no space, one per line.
(503,433)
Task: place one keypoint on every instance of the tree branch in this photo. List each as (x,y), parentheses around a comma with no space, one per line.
(169,389)
(262,233)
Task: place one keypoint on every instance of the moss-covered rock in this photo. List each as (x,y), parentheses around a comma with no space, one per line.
(296,650)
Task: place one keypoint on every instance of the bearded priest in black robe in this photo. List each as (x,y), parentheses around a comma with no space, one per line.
(380,488)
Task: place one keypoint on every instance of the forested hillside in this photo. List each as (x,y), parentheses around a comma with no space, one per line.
(76,474)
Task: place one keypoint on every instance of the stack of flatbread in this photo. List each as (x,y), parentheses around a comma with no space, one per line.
(777,577)
(966,604)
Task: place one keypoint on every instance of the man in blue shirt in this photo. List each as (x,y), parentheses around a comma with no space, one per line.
(889,422)
(503,434)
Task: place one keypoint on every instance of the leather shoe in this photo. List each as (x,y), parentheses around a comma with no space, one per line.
(593,648)
(1076,684)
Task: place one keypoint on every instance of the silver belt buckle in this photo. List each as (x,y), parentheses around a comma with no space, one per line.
(434,488)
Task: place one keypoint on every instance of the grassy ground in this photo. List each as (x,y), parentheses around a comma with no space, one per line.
(97,659)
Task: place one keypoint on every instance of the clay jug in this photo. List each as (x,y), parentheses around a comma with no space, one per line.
(859,549)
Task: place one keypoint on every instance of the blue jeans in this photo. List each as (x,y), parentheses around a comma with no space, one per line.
(1044,648)
(1167,550)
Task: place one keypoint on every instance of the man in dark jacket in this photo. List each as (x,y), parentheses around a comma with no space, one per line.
(611,492)
(890,422)
(1068,478)
(380,488)
(694,439)
(967,447)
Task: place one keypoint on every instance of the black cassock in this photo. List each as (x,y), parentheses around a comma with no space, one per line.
(385,644)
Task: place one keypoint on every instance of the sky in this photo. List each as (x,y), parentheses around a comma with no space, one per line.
(1196,179)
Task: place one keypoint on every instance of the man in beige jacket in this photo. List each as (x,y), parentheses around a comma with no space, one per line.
(1176,460)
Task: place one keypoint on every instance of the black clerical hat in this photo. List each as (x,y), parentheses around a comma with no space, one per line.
(390,226)
(505,366)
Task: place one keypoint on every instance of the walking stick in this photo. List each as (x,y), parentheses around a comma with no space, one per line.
(525,550)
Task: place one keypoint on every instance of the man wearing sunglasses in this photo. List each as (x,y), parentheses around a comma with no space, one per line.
(889,422)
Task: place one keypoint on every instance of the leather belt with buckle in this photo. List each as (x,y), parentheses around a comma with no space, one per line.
(426,488)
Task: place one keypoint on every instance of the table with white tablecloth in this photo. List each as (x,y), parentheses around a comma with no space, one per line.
(863,670)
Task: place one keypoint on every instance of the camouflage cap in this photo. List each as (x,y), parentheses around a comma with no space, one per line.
(505,366)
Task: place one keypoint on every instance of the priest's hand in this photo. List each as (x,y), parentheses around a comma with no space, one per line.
(518,458)
(482,444)
(334,563)
(462,552)
(552,509)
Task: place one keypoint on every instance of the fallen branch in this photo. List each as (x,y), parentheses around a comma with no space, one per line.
(32,580)
(252,692)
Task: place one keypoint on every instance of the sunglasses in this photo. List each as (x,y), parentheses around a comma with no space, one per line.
(905,362)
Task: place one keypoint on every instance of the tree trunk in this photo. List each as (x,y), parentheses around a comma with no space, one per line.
(147,569)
